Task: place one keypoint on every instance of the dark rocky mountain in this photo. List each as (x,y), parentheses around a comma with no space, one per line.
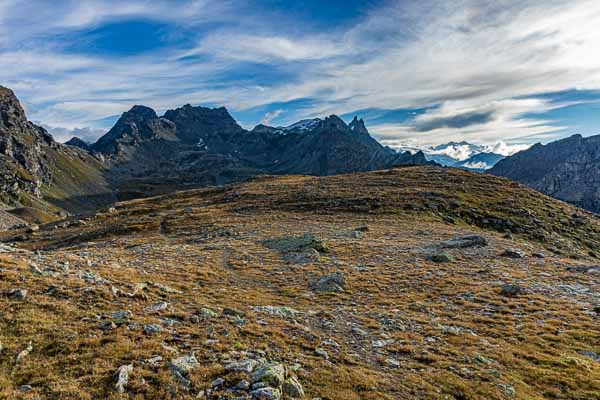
(77,142)
(41,173)
(198,146)
(568,169)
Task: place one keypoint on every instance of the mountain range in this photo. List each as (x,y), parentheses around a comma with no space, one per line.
(466,155)
(146,154)
(568,169)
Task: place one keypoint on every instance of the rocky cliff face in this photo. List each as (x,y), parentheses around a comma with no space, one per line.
(567,169)
(39,172)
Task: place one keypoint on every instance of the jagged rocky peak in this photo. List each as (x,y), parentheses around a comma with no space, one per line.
(195,123)
(135,126)
(12,114)
(333,121)
(139,113)
(358,126)
(77,142)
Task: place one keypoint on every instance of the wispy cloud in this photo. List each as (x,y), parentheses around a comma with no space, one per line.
(478,66)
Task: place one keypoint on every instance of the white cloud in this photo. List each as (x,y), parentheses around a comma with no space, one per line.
(271,116)
(477,58)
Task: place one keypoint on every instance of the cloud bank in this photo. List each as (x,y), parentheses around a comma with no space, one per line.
(480,70)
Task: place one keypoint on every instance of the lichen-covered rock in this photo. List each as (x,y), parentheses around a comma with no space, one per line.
(292,388)
(331,283)
(273,374)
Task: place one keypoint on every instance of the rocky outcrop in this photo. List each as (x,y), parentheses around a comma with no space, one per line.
(568,169)
(39,172)
(77,142)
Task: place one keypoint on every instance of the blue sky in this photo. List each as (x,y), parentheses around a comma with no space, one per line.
(419,72)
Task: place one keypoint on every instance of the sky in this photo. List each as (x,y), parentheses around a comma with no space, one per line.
(507,72)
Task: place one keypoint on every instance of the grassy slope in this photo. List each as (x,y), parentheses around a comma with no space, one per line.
(453,334)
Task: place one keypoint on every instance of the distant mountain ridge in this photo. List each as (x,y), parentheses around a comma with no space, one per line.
(462,155)
(203,146)
(568,169)
(146,154)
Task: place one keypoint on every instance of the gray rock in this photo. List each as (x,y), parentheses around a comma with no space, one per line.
(17,294)
(441,257)
(122,377)
(296,244)
(330,283)
(292,388)
(243,385)
(24,353)
(242,365)
(273,374)
(280,311)
(157,307)
(512,253)
(462,242)
(180,369)
(232,312)
(322,353)
(107,325)
(152,328)
(217,382)
(267,393)
(509,289)
(25,388)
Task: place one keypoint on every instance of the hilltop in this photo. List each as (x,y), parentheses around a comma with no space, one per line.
(414,282)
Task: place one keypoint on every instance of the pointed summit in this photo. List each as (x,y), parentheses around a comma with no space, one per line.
(12,114)
(358,126)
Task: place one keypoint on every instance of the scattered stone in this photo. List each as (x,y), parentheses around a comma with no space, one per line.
(509,289)
(24,353)
(392,362)
(17,294)
(25,388)
(243,385)
(123,377)
(217,383)
(330,283)
(158,307)
(507,389)
(591,354)
(243,365)
(585,269)
(180,369)
(273,374)
(442,257)
(322,353)
(306,257)
(232,312)
(292,388)
(126,314)
(267,393)
(539,255)
(295,244)
(92,277)
(461,242)
(208,313)
(511,253)
(152,328)
(166,288)
(107,325)
(280,311)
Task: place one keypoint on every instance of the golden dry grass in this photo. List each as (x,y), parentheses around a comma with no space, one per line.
(452,333)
